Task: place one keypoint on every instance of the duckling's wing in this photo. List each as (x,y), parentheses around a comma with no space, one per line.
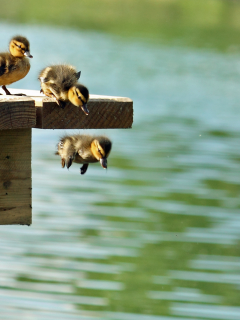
(6,63)
(58,79)
(68,80)
(67,76)
(2,66)
(52,89)
(47,74)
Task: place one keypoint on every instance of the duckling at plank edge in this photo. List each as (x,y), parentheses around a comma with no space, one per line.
(84,149)
(61,83)
(14,65)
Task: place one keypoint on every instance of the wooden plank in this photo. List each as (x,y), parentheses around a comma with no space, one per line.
(104,112)
(15,177)
(17,112)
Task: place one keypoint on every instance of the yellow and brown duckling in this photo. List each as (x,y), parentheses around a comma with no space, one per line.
(61,83)
(84,149)
(14,65)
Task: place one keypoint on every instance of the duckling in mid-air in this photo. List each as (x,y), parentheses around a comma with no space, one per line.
(14,65)
(60,82)
(84,149)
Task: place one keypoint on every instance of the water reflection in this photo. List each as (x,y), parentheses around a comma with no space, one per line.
(156,236)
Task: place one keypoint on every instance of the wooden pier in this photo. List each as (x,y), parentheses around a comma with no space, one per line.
(18,115)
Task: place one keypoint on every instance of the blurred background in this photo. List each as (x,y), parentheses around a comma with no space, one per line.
(156,235)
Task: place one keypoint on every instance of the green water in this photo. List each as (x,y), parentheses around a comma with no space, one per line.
(156,236)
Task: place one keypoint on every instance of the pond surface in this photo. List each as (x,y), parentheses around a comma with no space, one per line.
(156,236)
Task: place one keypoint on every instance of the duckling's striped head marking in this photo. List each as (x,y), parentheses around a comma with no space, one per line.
(19,47)
(79,96)
(101,147)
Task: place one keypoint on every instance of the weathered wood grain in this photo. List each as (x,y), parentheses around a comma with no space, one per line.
(104,113)
(15,177)
(17,112)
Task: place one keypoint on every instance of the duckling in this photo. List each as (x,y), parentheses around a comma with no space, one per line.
(60,82)
(14,65)
(84,149)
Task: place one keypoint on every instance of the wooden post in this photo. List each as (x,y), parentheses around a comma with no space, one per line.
(15,177)
(18,115)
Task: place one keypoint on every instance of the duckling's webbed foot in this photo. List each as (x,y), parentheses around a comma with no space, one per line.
(83,169)
(70,158)
(62,104)
(63,163)
(51,95)
(10,94)
(69,161)
(6,90)
(56,100)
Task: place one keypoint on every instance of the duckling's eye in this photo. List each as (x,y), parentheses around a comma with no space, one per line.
(100,152)
(80,98)
(77,94)
(17,45)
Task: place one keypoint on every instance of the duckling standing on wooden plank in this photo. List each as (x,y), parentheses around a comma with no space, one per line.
(84,149)
(14,65)
(60,82)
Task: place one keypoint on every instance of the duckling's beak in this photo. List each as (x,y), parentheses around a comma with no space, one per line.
(27,54)
(103,162)
(85,109)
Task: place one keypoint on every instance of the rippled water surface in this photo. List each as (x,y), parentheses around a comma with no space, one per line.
(156,236)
